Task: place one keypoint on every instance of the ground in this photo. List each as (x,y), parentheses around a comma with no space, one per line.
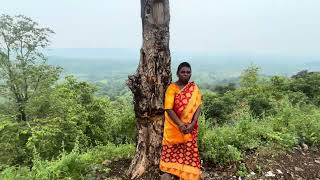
(300,163)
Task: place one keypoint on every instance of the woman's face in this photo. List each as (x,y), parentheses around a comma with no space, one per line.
(184,74)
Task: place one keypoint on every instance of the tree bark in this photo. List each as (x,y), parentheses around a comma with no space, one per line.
(149,83)
(22,116)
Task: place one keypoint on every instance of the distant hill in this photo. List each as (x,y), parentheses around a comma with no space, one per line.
(97,64)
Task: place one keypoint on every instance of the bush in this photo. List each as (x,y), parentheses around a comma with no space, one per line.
(13,139)
(218,108)
(231,142)
(52,136)
(71,166)
(69,111)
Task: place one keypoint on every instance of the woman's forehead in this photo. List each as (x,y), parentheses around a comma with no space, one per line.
(185,68)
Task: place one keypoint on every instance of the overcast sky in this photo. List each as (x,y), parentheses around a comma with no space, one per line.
(288,27)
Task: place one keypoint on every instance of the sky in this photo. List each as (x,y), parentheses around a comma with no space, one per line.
(286,27)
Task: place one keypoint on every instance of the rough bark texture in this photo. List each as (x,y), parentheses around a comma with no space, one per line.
(149,83)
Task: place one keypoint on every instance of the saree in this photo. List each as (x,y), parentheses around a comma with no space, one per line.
(180,154)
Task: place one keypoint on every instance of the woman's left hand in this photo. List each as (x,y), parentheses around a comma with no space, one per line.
(189,128)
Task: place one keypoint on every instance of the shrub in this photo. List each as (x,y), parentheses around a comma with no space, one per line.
(74,165)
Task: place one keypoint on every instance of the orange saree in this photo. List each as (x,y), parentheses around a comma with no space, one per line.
(180,154)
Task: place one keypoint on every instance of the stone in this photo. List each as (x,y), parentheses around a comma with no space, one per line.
(106,162)
(279,171)
(298,169)
(304,147)
(270,174)
(204,175)
(166,176)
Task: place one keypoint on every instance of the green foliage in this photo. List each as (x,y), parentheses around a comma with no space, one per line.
(123,124)
(74,165)
(218,108)
(261,96)
(72,127)
(51,136)
(23,69)
(276,112)
(249,77)
(307,83)
(63,114)
(301,121)
(261,115)
(221,89)
(242,170)
(73,111)
(13,139)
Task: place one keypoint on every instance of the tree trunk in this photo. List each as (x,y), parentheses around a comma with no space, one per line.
(149,83)
(21,116)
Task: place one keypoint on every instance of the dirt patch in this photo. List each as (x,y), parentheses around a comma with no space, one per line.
(118,171)
(297,164)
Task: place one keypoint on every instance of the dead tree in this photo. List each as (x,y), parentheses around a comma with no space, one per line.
(149,83)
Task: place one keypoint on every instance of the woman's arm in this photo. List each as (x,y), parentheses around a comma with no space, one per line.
(195,118)
(176,120)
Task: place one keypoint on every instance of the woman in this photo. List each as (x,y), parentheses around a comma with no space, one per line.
(180,154)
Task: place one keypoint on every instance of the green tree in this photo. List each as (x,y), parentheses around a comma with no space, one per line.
(23,69)
(249,77)
(221,89)
(307,83)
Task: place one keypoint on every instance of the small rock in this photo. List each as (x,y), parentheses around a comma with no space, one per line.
(204,175)
(251,174)
(224,174)
(106,162)
(270,174)
(165,176)
(298,169)
(317,161)
(304,147)
(279,171)
(297,148)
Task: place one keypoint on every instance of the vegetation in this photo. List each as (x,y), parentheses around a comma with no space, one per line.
(23,67)
(276,112)
(73,129)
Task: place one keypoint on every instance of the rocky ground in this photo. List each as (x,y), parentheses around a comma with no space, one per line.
(300,163)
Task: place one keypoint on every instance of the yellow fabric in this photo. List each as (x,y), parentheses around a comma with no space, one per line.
(182,171)
(172,133)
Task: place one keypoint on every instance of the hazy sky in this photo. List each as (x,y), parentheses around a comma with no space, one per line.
(289,27)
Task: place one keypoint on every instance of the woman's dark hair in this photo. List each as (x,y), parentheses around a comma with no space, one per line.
(183,64)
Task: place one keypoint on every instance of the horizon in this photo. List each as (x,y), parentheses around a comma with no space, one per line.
(87,52)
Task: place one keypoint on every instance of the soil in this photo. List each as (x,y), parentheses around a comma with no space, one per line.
(296,164)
